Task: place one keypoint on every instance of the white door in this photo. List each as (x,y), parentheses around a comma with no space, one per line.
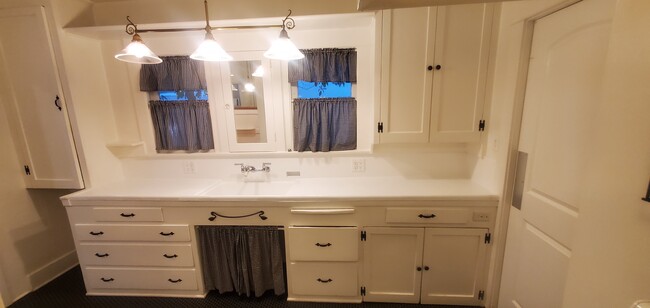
(453,266)
(564,81)
(392,264)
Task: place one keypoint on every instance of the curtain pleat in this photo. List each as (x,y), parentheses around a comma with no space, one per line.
(246,260)
(325,65)
(173,74)
(324,124)
(182,125)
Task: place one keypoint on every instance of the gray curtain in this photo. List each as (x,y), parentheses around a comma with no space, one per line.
(182,125)
(246,260)
(324,124)
(173,74)
(325,65)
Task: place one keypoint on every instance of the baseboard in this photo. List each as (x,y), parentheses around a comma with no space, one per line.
(52,270)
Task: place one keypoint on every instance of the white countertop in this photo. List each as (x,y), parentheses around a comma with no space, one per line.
(321,189)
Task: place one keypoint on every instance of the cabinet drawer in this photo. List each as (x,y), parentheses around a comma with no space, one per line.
(325,278)
(150,279)
(323,243)
(136,254)
(154,233)
(127,214)
(428,215)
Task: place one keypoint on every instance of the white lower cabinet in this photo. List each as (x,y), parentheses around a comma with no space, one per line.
(424,265)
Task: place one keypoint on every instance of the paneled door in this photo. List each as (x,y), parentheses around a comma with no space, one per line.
(565,71)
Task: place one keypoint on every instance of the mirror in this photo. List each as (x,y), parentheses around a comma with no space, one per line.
(247,87)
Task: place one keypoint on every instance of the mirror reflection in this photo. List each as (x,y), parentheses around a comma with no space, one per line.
(246,78)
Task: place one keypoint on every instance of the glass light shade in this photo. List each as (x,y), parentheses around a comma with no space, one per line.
(259,72)
(283,49)
(249,87)
(137,52)
(209,50)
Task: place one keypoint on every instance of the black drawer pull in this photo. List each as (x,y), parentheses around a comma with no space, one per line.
(427,216)
(127,215)
(174,281)
(96,233)
(170,257)
(324,281)
(166,234)
(323,245)
(103,255)
(107,280)
(259,213)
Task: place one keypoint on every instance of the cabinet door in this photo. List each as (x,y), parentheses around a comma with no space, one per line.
(391,257)
(35,102)
(454,263)
(407,51)
(462,49)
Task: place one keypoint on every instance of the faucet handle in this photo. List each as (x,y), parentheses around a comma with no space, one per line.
(265,167)
(242,166)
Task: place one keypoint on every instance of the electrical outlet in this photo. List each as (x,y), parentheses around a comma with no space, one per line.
(359,165)
(188,167)
(479,216)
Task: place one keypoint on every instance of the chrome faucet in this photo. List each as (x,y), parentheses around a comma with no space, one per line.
(246,169)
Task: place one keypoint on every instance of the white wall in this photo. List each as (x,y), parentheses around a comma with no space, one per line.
(610,264)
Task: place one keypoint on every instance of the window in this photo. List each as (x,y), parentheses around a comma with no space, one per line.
(324,89)
(178,104)
(324,111)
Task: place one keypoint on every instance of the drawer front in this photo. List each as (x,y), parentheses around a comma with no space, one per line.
(428,215)
(136,254)
(323,243)
(140,279)
(325,278)
(127,214)
(153,233)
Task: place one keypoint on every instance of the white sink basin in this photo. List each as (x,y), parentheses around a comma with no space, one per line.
(250,188)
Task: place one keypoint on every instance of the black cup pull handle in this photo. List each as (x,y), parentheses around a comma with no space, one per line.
(170,257)
(174,281)
(324,281)
(323,245)
(427,216)
(57,102)
(127,215)
(166,234)
(107,280)
(102,255)
(96,233)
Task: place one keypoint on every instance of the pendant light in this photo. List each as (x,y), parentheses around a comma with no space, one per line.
(282,48)
(209,49)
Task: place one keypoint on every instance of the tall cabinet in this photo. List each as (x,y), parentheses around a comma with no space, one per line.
(33,97)
(434,73)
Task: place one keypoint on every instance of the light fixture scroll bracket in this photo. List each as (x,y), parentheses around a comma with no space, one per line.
(131,28)
(288,22)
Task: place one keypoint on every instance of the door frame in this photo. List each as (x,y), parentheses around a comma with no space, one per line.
(503,216)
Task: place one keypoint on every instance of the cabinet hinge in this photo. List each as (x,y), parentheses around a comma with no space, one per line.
(27,171)
(488,238)
(380,127)
(481,295)
(363,235)
(481,125)
(363,291)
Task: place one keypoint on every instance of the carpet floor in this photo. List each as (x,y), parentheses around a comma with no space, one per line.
(68,291)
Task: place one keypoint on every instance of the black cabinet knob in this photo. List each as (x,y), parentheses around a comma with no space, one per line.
(419,269)
(430,68)
(426,268)
(438,67)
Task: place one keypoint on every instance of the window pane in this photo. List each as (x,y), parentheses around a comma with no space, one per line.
(324,90)
(183,95)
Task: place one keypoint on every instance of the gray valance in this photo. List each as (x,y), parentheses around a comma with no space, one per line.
(324,124)
(173,74)
(182,125)
(246,260)
(325,65)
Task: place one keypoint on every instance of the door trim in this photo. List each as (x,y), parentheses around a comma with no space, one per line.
(501,228)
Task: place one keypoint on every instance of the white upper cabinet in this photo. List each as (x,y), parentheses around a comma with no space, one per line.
(33,98)
(434,73)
